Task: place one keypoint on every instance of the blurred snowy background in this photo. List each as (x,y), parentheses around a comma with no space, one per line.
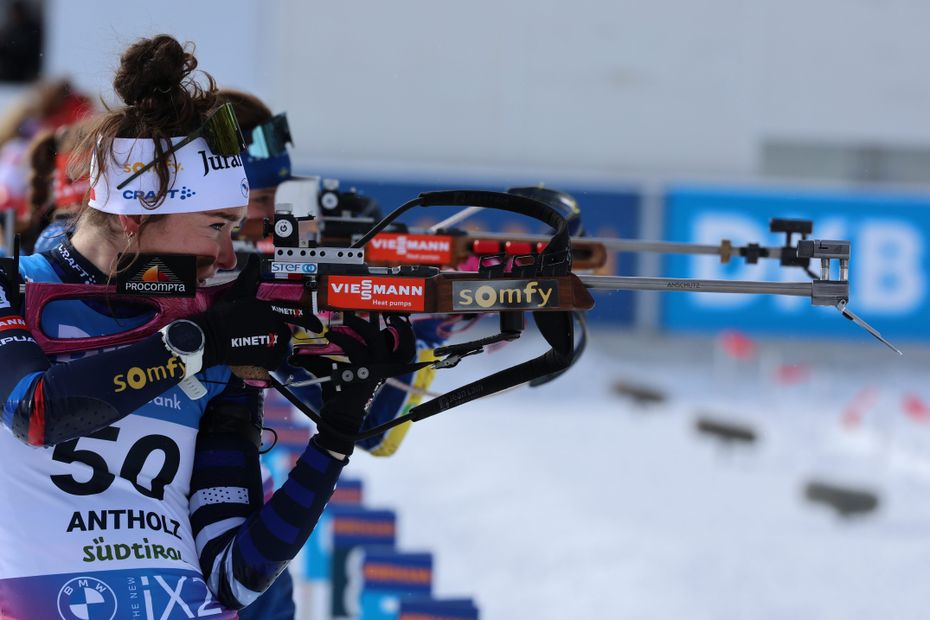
(573,500)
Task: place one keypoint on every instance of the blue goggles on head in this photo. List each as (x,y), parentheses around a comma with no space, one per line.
(265,172)
(271,137)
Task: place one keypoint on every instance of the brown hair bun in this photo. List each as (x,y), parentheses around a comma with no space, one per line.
(163,100)
(153,70)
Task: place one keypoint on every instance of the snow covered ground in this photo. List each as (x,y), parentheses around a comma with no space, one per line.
(570,501)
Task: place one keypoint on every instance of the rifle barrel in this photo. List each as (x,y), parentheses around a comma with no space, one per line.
(638,245)
(636,283)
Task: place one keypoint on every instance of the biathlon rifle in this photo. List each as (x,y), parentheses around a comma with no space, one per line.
(343,217)
(443,245)
(321,278)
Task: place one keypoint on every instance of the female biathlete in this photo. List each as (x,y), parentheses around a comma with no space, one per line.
(132,479)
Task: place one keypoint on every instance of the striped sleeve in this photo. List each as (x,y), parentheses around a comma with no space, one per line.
(243,543)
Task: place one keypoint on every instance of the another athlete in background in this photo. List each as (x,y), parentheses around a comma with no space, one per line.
(54,196)
(47,106)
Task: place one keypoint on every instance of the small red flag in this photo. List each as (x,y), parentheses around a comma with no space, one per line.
(737,345)
(916,408)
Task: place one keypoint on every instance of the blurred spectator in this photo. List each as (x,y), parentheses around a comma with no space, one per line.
(20,44)
(55,193)
(48,105)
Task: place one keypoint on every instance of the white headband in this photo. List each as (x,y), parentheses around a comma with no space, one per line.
(202,181)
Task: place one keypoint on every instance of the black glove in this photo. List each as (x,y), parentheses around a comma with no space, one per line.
(369,349)
(240,330)
(244,332)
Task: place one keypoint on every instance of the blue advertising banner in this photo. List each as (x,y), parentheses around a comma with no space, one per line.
(605,213)
(437,609)
(352,527)
(889,262)
(384,577)
(319,548)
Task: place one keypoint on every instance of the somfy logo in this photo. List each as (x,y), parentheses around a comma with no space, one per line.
(138,165)
(137,378)
(503,294)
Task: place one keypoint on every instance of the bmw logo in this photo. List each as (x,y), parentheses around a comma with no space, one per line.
(86,598)
(244,186)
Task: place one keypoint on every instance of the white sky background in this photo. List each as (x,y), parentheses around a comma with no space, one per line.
(595,86)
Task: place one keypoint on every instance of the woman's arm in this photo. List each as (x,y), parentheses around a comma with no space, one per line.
(244,545)
(44,405)
(47,405)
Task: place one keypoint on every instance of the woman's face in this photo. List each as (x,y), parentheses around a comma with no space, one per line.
(261,203)
(205,234)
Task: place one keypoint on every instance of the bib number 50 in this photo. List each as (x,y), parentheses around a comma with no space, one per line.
(101,478)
